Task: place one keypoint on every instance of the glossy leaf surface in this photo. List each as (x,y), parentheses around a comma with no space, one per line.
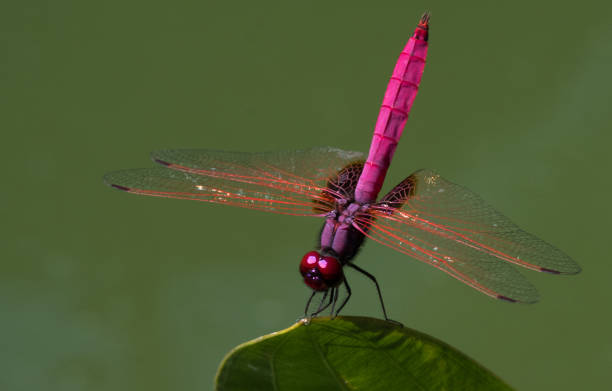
(351,353)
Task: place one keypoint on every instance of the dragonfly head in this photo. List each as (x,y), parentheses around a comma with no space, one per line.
(321,272)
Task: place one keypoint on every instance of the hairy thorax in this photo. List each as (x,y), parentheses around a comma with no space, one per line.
(339,235)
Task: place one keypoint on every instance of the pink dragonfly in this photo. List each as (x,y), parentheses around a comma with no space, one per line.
(425,216)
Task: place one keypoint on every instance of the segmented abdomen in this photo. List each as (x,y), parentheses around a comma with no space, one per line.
(400,94)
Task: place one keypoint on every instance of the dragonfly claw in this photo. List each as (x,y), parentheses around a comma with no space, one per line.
(395,322)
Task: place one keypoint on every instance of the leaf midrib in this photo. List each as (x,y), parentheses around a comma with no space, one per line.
(331,370)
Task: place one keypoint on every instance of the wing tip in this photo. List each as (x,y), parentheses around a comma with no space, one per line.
(549,271)
(108,180)
(511,300)
(577,270)
(574,269)
(119,187)
(162,162)
(506,298)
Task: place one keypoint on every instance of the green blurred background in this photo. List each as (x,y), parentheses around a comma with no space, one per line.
(101,290)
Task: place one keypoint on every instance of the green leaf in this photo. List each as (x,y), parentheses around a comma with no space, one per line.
(351,353)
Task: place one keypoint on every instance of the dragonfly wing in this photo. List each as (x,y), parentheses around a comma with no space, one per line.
(289,182)
(480,271)
(453,229)
(312,164)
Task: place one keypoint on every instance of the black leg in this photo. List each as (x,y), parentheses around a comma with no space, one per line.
(308,303)
(335,301)
(321,303)
(331,297)
(348,296)
(371,277)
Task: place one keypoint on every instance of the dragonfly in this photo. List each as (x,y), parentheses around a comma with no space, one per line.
(425,216)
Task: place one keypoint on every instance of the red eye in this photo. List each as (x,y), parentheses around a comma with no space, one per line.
(331,271)
(315,282)
(309,261)
(320,273)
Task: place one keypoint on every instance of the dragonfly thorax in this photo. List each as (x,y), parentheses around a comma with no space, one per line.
(321,272)
(339,235)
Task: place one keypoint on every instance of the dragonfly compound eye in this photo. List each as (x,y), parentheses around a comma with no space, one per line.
(314,280)
(331,271)
(309,261)
(309,268)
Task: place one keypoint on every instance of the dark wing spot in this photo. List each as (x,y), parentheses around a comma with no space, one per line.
(506,298)
(401,193)
(339,185)
(162,162)
(120,187)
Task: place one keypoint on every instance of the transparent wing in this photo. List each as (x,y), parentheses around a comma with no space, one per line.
(288,182)
(453,229)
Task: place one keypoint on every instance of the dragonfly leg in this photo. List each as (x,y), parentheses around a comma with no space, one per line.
(382,303)
(308,303)
(336,295)
(331,298)
(320,307)
(348,296)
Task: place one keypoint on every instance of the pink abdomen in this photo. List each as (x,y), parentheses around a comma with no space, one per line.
(400,94)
